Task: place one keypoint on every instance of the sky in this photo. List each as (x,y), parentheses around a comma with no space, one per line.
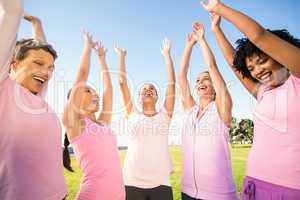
(140,27)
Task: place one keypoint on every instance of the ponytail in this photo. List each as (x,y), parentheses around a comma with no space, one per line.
(66,155)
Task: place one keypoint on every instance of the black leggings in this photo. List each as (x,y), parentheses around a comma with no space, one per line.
(186,197)
(159,193)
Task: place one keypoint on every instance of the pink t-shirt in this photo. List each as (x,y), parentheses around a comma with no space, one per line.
(275,154)
(207,172)
(97,153)
(31,164)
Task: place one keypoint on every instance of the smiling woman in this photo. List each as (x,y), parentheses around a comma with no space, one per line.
(30,163)
(33,64)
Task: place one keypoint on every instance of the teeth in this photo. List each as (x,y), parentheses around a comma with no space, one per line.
(40,79)
(266,76)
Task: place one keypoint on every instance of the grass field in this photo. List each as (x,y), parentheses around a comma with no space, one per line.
(238,155)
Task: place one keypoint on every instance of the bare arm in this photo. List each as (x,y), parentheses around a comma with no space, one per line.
(10,16)
(283,52)
(84,67)
(187,99)
(72,117)
(170,93)
(37,27)
(106,113)
(223,98)
(123,82)
(228,52)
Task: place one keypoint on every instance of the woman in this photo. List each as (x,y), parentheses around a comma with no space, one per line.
(147,165)
(267,64)
(207,170)
(30,154)
(94,143)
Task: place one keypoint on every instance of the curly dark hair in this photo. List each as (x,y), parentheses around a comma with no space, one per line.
(24,45)
(246,49)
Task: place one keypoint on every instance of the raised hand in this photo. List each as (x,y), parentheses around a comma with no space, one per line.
(192,39)
(88,39)
(211,5)
(100,49)
(198,30)
(166,47)
(120,52)
(37,28)
(215,20)
(31,19)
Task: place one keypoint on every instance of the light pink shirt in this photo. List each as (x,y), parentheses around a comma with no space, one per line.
(207,170)
(275,154)
(148,162)
(30,132)
(31,164)
(97,153)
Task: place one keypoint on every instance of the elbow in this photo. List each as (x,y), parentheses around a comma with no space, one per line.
(258,35)
(122,82)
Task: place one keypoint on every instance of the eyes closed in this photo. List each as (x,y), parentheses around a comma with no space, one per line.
(41,63)
(203,79)
(260,61)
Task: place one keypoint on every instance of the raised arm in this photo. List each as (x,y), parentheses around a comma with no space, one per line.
(228,52)
(187,99)
(10,16)
(72,114)
(84,67)
(106,113)
(123,82)
(283,52)
(223,98)
(170,93)
(37,27)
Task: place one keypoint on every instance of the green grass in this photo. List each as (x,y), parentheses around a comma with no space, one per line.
(238,156)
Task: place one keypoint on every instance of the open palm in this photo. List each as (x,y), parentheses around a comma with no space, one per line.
(166,47)
(88,38)
(100,49)
(120,52)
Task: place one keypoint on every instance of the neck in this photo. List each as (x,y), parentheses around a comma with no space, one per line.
(204,101)
(91,116)
(149,109)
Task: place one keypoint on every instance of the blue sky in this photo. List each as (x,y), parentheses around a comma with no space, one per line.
(140,27)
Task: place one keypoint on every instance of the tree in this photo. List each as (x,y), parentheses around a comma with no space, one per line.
(242,132)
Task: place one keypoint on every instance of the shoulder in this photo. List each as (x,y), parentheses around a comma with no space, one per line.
(7,85)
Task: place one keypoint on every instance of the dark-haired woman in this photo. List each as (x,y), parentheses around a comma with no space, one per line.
(268,65)
(30,136)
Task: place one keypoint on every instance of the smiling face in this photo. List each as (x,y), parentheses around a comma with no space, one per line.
(86,99)
(148,94)
(204,85)
(266,70)
(34,71)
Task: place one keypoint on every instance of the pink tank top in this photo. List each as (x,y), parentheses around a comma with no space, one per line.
(31,164)
(275,154)
(97,153)
(207,172)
